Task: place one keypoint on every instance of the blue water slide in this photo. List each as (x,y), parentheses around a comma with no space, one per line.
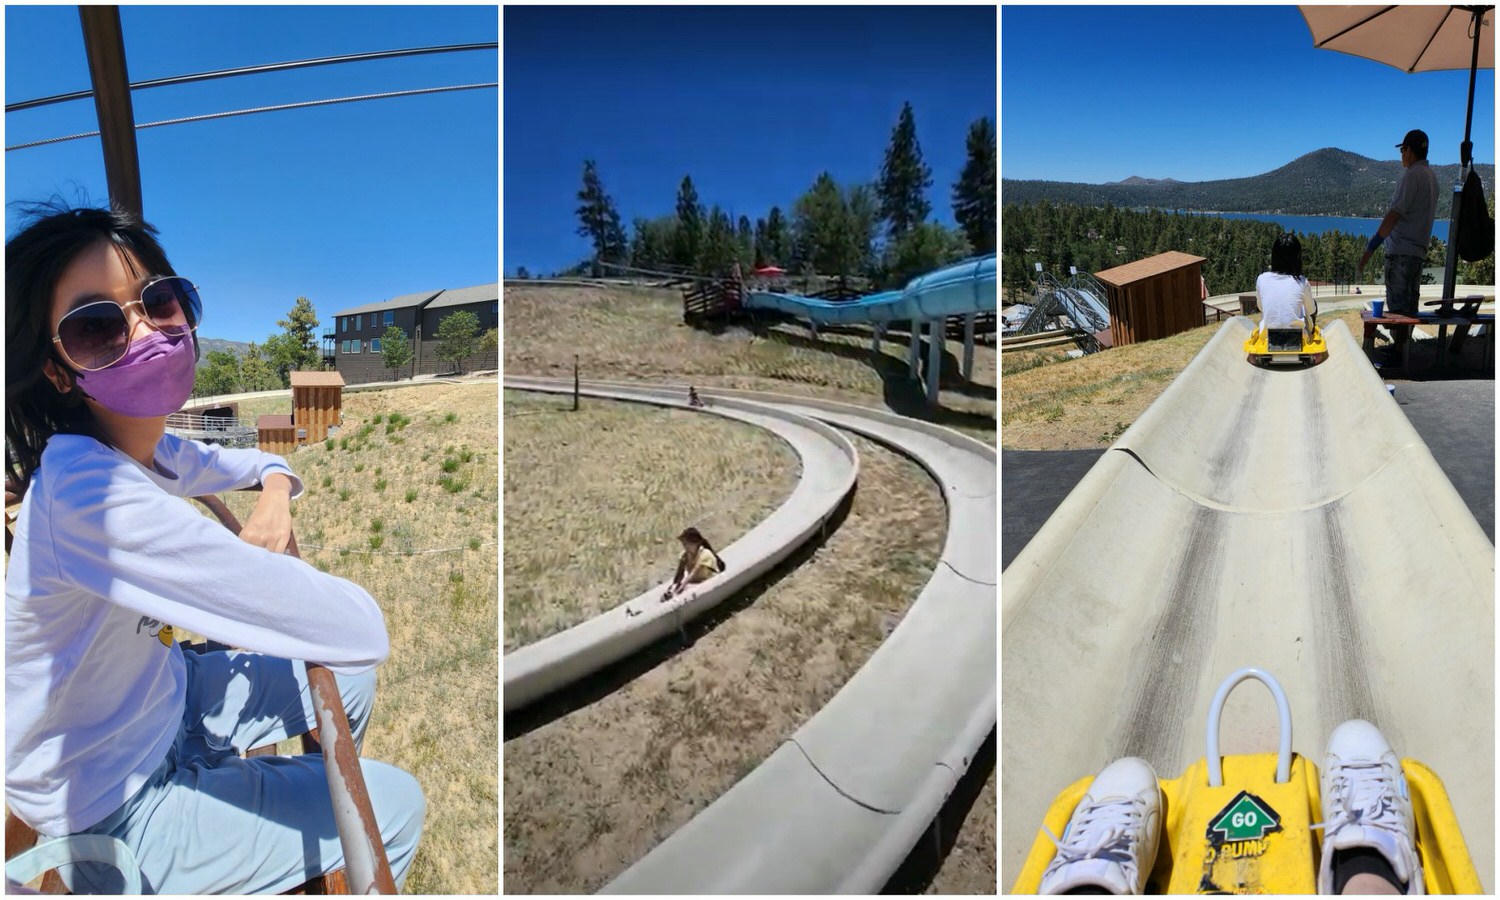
(957,289)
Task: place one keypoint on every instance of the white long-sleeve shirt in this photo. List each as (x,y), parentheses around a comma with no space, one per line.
(1285,300)
(106,554)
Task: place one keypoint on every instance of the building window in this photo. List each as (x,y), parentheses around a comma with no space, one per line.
(372,320)
(344,325)
(354,346)
(375,345)
(390,317)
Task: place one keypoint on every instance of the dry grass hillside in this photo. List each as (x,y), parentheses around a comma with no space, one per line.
(597,497)
(404,504)
(638,333)
(1051,402)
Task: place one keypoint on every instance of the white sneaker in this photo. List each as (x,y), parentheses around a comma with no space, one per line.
(1366,803)
(1110,841)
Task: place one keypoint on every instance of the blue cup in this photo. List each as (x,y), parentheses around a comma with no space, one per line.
(1377,308)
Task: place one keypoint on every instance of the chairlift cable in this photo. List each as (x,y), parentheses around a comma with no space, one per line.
(256,70)
(262,109)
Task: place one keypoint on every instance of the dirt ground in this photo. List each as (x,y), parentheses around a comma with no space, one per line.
(595,780)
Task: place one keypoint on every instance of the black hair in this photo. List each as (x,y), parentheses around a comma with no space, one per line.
(1286,255)
(35,260)
(692,534)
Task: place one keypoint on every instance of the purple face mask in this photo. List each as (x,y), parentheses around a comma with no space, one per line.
(153,379)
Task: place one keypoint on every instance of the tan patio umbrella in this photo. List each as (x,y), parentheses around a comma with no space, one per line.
(1415,39)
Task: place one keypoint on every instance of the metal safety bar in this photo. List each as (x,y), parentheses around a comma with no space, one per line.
(365,862)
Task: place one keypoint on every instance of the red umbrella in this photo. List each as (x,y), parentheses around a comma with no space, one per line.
(770,270)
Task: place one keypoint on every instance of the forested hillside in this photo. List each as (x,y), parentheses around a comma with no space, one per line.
(1327,182)
(1098,238)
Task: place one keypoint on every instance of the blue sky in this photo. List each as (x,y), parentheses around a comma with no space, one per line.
(1195,93)
(753,102)
(345,204)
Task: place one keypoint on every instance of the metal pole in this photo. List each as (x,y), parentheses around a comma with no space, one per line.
(575,382)
(934,360)
(968,370)
(875,342)
(365,861)
(1465,158)
(912,350)
(105,46)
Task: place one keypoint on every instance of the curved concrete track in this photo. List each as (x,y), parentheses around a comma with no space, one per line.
(1292,520)
(830,468)
(840,804)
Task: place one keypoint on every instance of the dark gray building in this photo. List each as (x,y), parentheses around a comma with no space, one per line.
(353,347)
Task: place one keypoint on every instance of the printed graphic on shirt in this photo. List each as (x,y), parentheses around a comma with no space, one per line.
(156,629)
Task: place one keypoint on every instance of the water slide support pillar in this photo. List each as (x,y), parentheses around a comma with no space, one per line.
(913,351)
(968,370)
(875,342)
(934,359)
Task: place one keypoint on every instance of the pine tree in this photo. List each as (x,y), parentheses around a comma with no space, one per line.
(778,250)
(746,243)
(719,250)
(903,178)
(974,198)
(834,227)
(598,220)
(689,238)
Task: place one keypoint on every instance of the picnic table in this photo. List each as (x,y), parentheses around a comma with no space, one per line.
(1460,314)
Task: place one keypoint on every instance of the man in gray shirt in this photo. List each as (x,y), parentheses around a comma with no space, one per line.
(1407,227)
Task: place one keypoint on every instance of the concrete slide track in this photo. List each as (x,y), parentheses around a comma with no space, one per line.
(1292,520)
(830,468)
(839,805)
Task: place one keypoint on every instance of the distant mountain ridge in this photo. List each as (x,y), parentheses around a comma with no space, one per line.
(207,345)
(1330,182)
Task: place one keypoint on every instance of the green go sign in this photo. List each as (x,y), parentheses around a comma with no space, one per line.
(1246,818)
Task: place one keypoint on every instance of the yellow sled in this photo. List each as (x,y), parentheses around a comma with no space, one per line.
(1268,347)
(1247,829)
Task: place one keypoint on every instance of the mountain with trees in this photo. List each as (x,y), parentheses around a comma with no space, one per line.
(1329,182)
(1236,251)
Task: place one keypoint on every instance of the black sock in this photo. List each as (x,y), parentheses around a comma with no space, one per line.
(1362,861)
(1088,889)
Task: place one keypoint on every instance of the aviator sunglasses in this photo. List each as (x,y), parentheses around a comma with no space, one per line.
(96,335)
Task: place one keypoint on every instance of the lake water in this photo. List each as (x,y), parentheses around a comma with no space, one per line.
(1320,224)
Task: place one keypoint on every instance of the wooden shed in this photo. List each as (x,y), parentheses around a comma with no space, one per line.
(1154,297)
(275,434)
(317,404)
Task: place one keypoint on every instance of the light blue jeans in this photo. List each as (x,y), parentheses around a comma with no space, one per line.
(208,821)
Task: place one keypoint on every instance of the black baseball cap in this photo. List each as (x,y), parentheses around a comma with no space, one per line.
(1416,139)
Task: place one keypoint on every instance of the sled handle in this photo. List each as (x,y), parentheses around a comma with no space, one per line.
(1283,712)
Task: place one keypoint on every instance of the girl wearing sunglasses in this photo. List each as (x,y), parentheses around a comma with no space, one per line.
(110,728)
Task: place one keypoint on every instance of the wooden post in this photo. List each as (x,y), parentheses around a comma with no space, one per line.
(575,382)
(104,44)
(912,348)
(936,339)
(968,371)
